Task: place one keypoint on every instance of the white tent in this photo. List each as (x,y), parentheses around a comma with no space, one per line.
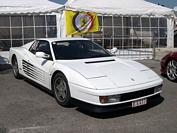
(119,7)
(24,20)
(122,8)
(28,6)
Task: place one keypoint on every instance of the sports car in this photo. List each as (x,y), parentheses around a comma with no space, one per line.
(80,72)
(169,66)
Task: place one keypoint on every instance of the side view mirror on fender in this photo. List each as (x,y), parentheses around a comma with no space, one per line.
(42,55)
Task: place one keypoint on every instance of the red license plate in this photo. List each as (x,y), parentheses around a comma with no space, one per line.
(139,102)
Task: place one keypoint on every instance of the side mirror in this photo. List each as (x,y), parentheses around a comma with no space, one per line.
(42,55)
(114,50)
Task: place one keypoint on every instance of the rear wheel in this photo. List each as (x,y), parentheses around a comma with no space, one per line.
(172,70)
(61,90)
(15,68)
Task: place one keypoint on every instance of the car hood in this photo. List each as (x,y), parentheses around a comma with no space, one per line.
(120,72)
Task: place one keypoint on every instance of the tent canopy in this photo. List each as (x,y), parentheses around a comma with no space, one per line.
(119,7)
(28,6)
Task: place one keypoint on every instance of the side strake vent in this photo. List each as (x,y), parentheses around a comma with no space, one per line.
(99,61)
(33,71)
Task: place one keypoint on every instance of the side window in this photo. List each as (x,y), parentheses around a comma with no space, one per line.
(44,46)
(33,47)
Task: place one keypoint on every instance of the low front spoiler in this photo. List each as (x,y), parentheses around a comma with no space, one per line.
(102,109)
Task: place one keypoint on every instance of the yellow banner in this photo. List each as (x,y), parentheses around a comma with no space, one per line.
(81,22)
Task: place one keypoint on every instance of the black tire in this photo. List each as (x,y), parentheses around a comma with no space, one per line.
(61,90)
(172,70)
(15,68)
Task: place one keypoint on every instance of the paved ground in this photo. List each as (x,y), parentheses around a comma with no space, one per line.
(25,108)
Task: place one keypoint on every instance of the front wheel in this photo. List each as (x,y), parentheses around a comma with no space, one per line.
(61,90)
(15,68)
(172,70)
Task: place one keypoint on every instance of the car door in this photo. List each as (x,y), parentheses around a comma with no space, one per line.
(38,69)
(175,38)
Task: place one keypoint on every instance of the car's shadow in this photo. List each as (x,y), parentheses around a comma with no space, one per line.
(43,89)
(122,112)
(165,76)
(37,86)
(107,114)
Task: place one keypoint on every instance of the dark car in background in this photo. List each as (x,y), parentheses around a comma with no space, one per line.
(175,38)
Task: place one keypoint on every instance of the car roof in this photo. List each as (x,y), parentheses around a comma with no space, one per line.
(28,45)
(61,39)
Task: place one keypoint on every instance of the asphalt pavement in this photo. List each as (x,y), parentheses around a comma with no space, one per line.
(26,108)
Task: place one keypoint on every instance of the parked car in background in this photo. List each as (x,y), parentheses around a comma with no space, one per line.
(175,38)
(80,72)
(169,66)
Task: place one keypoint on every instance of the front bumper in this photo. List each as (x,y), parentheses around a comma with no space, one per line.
(108,108)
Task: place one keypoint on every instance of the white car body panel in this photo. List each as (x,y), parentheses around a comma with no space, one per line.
(88,78)
(41,68)
(92,96)
(126,75)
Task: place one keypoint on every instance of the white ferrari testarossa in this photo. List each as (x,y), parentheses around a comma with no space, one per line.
(80,72)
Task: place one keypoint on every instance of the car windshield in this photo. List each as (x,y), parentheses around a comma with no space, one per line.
(78,49)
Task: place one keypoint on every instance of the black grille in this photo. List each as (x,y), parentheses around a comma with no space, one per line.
(33,72)
(136,94)
(99,61)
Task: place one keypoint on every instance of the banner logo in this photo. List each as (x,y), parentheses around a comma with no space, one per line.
(81,22)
